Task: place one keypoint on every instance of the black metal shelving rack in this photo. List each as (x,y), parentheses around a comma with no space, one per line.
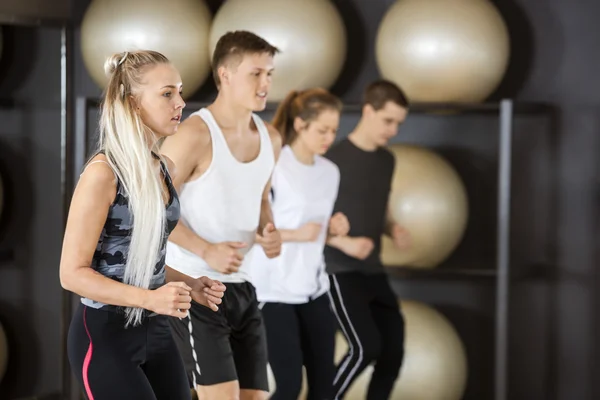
(505,110)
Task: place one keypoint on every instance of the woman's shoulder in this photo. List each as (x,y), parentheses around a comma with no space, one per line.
(99,166)
(99,172)
(327,165)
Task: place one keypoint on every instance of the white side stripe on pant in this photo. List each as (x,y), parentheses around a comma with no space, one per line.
(350,343)
(343,323)
(193,351)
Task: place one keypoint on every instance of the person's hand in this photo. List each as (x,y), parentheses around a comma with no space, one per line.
(172,299)
(208,292)
(401,237)
(308,232)
(339,224)
(224,257)
(358,247)
(270,240)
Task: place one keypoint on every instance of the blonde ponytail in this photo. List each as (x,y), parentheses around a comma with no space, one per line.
(127,144)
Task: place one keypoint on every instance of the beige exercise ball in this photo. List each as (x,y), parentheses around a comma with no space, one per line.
(443,50)
(179,29)
(273,384)
(310,35)
(435,361)
(3,352)
(428,199)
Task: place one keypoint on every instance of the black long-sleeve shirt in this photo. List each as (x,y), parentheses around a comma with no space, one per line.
(365,182)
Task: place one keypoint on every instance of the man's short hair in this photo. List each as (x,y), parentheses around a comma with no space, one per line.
(232,47)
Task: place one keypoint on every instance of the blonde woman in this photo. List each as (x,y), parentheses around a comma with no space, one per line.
(124,207)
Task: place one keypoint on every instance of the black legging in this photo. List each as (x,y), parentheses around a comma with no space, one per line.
(368,314)
(112,362)
(301,334)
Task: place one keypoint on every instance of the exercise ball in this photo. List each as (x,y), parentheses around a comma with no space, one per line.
(310,35)
(443,51)
(178,29)
(3,352)
(273,384)
(429,201)
(435,361)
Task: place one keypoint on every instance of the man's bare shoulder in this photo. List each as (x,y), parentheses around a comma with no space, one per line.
(274,135)
(170,166)
(192,133)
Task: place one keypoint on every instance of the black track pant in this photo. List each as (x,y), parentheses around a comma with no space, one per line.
(368,314)
(112,362)
(301,334)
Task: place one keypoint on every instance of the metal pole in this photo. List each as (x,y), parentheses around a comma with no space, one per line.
(503,250)
(66,182)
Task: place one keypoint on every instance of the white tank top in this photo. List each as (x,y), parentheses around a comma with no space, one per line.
(224,203)
(301,193)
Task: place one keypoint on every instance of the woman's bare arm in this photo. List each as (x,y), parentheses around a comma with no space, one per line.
(91,200)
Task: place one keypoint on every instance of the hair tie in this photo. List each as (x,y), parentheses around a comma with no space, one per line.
(123,58)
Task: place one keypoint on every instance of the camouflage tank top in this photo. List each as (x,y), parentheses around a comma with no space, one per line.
(110,256)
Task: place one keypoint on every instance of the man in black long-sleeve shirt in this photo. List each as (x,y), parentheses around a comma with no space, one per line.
(362,298)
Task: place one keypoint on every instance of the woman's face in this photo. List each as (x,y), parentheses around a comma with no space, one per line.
(319,134)
(159,99)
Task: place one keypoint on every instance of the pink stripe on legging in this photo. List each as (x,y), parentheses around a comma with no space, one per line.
(87,360)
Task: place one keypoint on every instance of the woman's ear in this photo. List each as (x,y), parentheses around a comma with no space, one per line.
(299,124)
(134,104)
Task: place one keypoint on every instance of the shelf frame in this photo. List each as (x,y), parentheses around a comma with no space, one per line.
(503,250)
(495,107)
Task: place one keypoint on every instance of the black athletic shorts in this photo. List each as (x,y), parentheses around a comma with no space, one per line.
(226,345)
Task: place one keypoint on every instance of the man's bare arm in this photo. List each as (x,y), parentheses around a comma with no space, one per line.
(266,214)
(190,151)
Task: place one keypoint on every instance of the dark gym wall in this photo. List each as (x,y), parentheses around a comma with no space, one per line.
(553,314)
(31,223)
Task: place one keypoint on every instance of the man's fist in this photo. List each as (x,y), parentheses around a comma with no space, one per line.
(208,292)
(224,257)
(401,237)
(270,240)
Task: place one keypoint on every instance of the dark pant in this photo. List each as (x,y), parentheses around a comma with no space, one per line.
(225,345)
(112,362)
(369,316)
(297,335)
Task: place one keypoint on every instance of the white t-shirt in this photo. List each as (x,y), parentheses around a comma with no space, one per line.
(301,193)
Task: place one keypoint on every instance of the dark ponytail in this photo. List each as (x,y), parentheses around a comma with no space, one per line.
(307,105)
(283,121)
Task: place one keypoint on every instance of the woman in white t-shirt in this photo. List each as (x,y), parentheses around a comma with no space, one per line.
(292,288)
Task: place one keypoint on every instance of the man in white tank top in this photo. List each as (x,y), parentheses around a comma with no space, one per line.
(224,155)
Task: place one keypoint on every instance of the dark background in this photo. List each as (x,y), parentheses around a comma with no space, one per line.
(553,321)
